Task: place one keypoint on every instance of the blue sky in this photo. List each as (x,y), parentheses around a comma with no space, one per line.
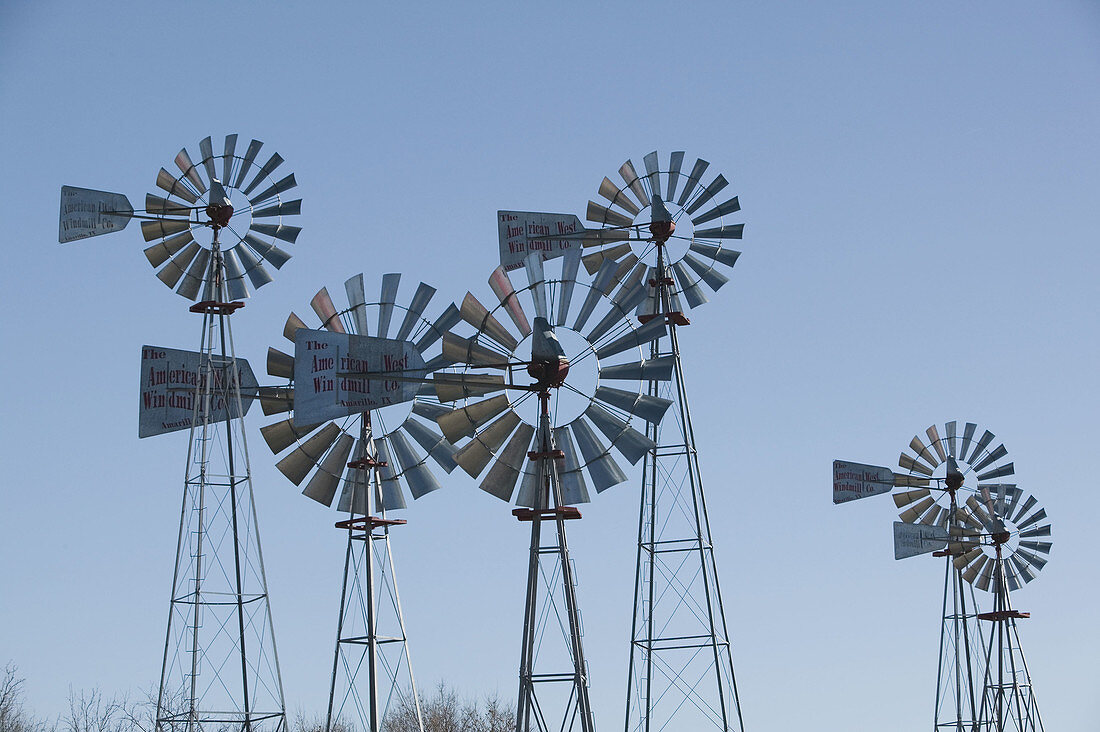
(918,184)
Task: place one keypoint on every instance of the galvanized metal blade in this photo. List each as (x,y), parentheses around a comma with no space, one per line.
(286,208)
(419,477)
(322,305)
(1024,509)
(298,463)
(174,270)
(707,273)
(629,294)
(161,228)
(910,515)
(907,462)
(630,442)
(390,283)
(611,192)
(464,422)
(923,452)
(903,499)
(1023,571)
(593,262)
(727,257)
(694,294)
(281,435)
(979,448)
(501,479)
(932,518)
(322,486)
(415,310)
(986,575)
(952,440)
(207,152)
(574,490)
(429,410)
(268,252)
(1033,559)
(227,156)
(731,231)
(964,560)
(234,275)
(354,498)
(722,209)
(644,406)
(256,272)
(279,364)
(968,435)
(477,315)
(1043,530)
(1001,472)
(246,162)
(467,350)
(602,468)
(505,292)
(276,399)
(442,324)
(475,455)
(434,443)
(536,278)
(598,214)
(653,173)
(279,231)
(630,177)
(693,179)
(569,268)
(971,572)
(675,163)
(274,190)
(936,443)
(292,326)
(357,303)
(452,387)
(1032,519)
(175,187)
(391,497)
(183,162)
(909,481)
(196,275)
(708,193)
(531,488)
(650,369)
(158,206)
(651,331)
(999,452)
(158,253)
(601,285)
(267,169)
(1038,546)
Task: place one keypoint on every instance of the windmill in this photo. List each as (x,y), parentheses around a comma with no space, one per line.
(681,661)
(357,399)
(219,224)
(531,413)
(944,474)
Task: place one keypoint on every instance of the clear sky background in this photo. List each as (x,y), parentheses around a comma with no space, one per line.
(919,185)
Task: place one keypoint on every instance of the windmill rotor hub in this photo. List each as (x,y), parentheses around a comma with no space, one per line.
(954,480)
(662,230)
(220,213)
(549,373)
(1001,537)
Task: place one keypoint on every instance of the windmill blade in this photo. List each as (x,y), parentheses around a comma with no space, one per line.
(536,278)
(279,231)
(653,173)
(391,497)
(1043,530)
(652,369)
(968,435)
(1033,519)
(195,276)
(972,572)
(505,293)
(279,364)
(708,274)
(936,443)
(207,152)
(501,479)
(963,560)
(1028,505)
(246,162)
(452,387)
(423,295)
(630,177)
(298,463)
(1023,570)
(227,156)
(708,193)
(434,443)
(447,320)
(932,518)
(357,300)
(693,179)
(676,161)
(923,452)
(276,399)
(731,231)
(475,455)
(598,214)
(234,276)
(477,315)
(695,296)
(416,473)
(468,351)
(161,228)
(159,253)
(630,442)
(901,500)
(265,170)
(175,187)
(611,192)
(1033,559)
(390,283)
(270,253)
(601,285)
(322,305)
(910,481)
(986,576)
(570,266)
(952,440)
(979,448)
(979,512)
(531,489)
(1011,579)
(274,189)
(463,422)
(592,262)
(354,498)
(292,326)
(649,408)
(727,257)
(603,470)
(256,272)
(287,208)
(910,515)
(908,463)
(322,486)
(163,207)
(722,209)
(628,296)
(652,331)
(574,490)
(281,435)
(1015,494)
(183,162)
(429,410)
(1001,472)
(1039,546)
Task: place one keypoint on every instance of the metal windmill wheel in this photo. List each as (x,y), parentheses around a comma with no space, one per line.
(596,342)
(1001,525)
(322,450)
(670,211)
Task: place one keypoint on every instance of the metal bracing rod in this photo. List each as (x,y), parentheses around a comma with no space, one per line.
(401,625)
(372,630)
